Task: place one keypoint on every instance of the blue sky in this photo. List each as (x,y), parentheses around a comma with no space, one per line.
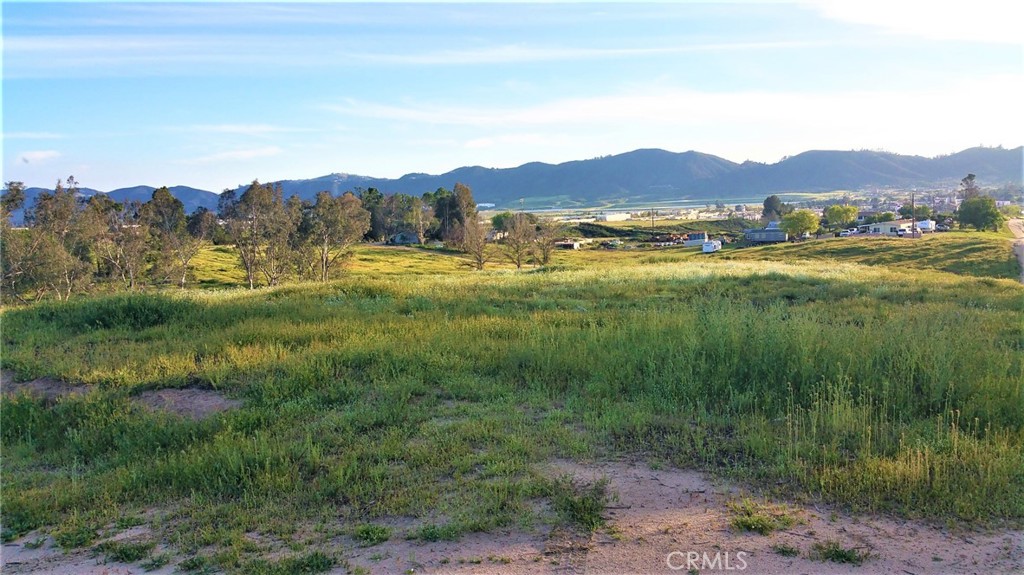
(213,95)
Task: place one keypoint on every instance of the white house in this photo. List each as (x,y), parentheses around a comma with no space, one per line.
(893,228)
(614,217)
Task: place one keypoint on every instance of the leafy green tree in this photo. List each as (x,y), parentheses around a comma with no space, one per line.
(336,223)
(799,222)
(920,211)
(774,208)
(373,202)
(969,188)
(500,220)
(61,255)
(256,225)
(14,246)
(176,244)
(403,213)
(119,238)
(981,213)
(841,216)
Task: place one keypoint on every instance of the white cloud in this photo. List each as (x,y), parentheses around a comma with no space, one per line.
(38,156)
(993,21)
(237,155)
(758,125)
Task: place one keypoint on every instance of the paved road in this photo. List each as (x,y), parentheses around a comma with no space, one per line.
(1017,227)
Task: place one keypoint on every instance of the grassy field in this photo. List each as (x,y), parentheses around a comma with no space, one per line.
(417,399)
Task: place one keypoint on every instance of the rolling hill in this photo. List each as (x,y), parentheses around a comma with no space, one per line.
(653,175)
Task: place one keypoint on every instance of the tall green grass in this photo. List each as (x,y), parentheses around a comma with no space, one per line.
(438,396)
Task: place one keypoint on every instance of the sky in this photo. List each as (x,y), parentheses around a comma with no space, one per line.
(215,95)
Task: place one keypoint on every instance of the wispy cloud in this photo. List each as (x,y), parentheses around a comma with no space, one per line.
(682,106)
(237,155)
(989,21)
(38,156)
(518,53)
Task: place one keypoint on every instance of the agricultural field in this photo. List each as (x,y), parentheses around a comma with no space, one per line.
(416,416)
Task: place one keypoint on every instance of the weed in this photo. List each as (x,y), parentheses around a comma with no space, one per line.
(758,518)
(831,550)
(432,532)
(785,550)
(156,561)
(369,535)
(581,504)
(126,551)
(74,533)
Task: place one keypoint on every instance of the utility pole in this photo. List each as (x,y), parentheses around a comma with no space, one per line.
(913,217)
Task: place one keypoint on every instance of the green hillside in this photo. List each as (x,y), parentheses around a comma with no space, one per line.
(415,389)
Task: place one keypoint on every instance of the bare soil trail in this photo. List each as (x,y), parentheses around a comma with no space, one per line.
(1017,228)
(658,521)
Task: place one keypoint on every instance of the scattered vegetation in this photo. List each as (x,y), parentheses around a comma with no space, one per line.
(759,518)
(832,551)
(785,550)
(126,551)
(370,535)
(581,504)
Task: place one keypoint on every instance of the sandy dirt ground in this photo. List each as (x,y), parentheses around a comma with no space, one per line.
(1017,227)
(187,402)
(659,521)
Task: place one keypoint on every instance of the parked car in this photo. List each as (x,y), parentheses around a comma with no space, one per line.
(942,228)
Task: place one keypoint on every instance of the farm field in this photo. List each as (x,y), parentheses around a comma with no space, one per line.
(416,415)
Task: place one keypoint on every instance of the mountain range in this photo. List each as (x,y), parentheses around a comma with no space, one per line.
(652,175)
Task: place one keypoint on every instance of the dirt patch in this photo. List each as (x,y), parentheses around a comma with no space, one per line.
(192,403)
(1017,228)
(188,402)
(37,553)
(658,517)
(47,388)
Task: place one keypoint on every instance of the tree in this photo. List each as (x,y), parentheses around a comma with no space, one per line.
(176,243)
(501,220)
(520,236)
(840,216)
(799,222)
(119,237)
(969,188)
(335,224)
(442,205)
(774,209)
(254,222)
(373,202)
(12,199)
(980,212)
(918,212)
(403,213)
(549,231)
(472,239)
(14,245)
(60,253)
